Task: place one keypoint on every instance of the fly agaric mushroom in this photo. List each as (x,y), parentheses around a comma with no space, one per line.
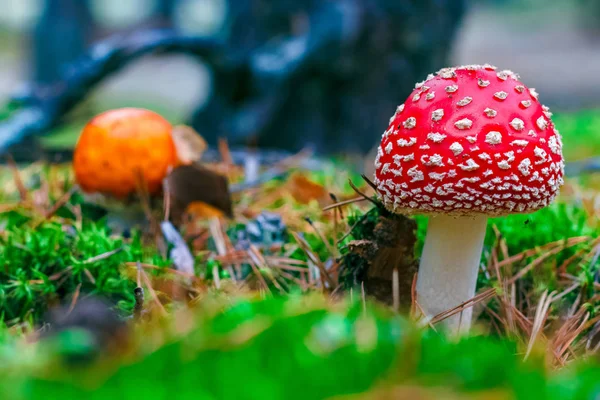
(468,143)
(118,144)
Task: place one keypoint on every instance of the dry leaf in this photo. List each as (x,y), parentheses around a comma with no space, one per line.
(304,190)
(189,144)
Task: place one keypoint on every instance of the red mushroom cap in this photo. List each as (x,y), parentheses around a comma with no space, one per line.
(470,140)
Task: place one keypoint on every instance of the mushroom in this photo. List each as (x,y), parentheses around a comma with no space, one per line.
(116,145)
(469,143)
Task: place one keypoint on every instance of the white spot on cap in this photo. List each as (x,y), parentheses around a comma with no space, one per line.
(456,148)
(408,157)
(501,95)
(429,188)
(400,108)
(418,85)
(436,137)
(447,73)
(517,124)
(542,123)
(531,133)
(470,165)
(415,174)
(464,123)
(490,113)
(533,93)
(526,103)
(472,139)
(424,147)
(524,166)
(488,173)
(493,137)
(432,161)
(464,101)
(502,75)
(389,148)
(541,154)
(437,176)
(504,164)
(521,143)
(429,96)
(437,115)
(385,168)
(482,82)
(410,123)
(437,203)
(520,88)
(416,97)
(406,143)
(451,88)
(553,144)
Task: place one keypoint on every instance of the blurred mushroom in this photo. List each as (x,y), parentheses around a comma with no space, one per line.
(118,144)
(468,143)
(121,149)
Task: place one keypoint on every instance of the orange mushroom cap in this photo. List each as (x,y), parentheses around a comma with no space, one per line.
(116,144)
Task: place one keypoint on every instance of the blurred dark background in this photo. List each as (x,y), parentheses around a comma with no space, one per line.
(322,72)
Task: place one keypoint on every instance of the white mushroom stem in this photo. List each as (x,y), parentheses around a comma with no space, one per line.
(449,266)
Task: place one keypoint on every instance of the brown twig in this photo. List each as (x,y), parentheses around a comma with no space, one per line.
(23,194)
(74,299)
(148,284)
(343,203)
(485,295)
(60,202)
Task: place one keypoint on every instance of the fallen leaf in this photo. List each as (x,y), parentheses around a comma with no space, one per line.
(190,144)
(304,190)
